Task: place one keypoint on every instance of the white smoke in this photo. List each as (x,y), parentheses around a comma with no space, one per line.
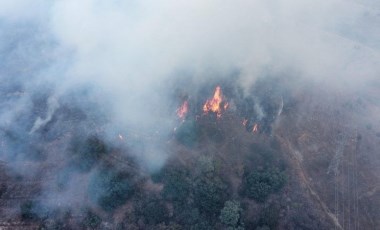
(52,106)
(131,50)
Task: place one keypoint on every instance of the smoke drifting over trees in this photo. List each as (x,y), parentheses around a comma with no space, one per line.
(90,92)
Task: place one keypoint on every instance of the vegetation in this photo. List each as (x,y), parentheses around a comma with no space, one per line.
(177,185)
(178,198)
(187,134)
(230,215)
(269,217)
(110,188)
(91,221)
(153,210)
(87,153)
(200,191)
(258,185)
(28,210)
(210,193)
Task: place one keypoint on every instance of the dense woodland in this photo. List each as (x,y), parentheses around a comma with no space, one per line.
(220,173)
(196,194)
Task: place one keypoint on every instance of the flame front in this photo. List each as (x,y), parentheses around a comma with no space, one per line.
(255,128)
(215,104)
(182,111)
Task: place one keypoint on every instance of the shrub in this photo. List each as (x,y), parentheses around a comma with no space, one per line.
(110,189)
(269,216)
(87,153)
(210,193)
(154,211)
(27,210)
(187,134)
(176,180)
(91,221)
(186,215)
(258,185)
(177,186)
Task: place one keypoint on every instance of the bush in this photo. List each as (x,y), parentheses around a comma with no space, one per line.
(187,134)
(91,221)
(262,228)
(269,216)
(177,183)
(210,193)
(202,225)
(258,185)
(110,189)
(186,215)
(177,186)
(27,210)
(154,211)
(206,165)
(87,153)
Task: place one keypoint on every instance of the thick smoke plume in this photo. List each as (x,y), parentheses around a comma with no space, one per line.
(115,66)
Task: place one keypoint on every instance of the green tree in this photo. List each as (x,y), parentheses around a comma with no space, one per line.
(260,184)
(177,185)
(110,188)
(187,134)
(230,215)
(210,193)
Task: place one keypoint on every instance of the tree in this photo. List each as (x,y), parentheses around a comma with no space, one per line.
(230,215)
(87,153)
(177,185)
(210,193)
(28,210)
(91,221)
(263,228)
(187,134)
(260,184)
(110,188)
(153,210)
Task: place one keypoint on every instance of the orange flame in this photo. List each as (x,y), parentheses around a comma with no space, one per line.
(182,111)
(255,128)
(214,104)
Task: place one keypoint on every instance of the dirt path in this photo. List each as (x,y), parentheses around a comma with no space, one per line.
(297,163)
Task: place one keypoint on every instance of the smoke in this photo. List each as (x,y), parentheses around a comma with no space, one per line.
(130,48)
(119,59)
(52,105)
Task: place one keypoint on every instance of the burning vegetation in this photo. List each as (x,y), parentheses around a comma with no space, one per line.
(216,104)
(218,175)
(169,115)
(183,110)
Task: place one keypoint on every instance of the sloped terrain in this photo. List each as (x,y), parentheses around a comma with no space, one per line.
(312,163)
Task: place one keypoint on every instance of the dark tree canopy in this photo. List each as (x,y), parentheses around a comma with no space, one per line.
(258,185)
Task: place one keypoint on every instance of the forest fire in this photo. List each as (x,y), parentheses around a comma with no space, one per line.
(245,121)
(182,111)
(216,104)
(255,128)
